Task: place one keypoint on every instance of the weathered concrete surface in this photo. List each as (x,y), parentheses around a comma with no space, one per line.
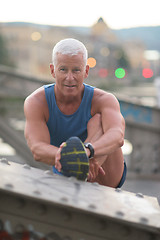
(65,208)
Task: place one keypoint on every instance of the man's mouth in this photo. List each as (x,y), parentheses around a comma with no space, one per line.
(70,86)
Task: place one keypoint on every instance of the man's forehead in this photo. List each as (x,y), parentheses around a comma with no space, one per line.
(65,59)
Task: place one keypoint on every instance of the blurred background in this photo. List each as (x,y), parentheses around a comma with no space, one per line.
(123,42)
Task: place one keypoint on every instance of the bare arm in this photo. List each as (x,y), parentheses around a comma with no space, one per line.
(36,130)
(113,124)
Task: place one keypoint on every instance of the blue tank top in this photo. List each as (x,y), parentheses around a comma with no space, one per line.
(61,126)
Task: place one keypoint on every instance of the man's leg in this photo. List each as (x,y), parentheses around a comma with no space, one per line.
(112,164)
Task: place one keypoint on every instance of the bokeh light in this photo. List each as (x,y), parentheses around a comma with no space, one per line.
(105,51)
(36,36)
(91,62)
(120,73)
(147,73)
(103,72)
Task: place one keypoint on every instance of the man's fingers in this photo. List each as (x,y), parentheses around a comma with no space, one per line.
(101,171)
(57,159)
(89,176)
(58,166)
(91,171)
(94,170)
(62,144)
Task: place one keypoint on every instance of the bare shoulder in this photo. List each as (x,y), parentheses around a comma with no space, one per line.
(103,100)
(36,103)
(37,96)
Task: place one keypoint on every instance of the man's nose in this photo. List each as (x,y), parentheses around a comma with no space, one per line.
(69,75)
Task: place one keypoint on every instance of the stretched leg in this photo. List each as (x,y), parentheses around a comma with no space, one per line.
(112,164)
(94,130)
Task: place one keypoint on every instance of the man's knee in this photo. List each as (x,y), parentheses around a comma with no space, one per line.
(94,128)
(96,120)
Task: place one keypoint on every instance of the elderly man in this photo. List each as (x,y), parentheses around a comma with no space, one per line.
(76,128)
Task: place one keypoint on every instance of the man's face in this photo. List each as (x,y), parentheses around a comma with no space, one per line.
(69,73)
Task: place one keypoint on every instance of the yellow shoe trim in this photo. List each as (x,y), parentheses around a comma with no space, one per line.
(78,163)
(73,152)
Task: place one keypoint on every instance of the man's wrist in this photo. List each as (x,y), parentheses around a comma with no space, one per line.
(87,152)
(89,146)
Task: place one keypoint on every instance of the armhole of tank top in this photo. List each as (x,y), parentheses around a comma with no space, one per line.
(48,101)
(91,93)
(91,101)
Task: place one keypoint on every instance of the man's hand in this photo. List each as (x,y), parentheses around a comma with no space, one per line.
(94,170)
(58,157)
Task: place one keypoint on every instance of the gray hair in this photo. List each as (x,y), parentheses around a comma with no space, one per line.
(69,46)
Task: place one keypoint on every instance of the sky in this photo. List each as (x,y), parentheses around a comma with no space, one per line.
(117,14)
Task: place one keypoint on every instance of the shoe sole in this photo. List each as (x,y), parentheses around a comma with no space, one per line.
(74,159)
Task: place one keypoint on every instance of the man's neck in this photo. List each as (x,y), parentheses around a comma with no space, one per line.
(68,104)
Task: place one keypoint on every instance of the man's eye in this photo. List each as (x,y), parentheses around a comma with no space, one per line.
(62,69)
(76,70)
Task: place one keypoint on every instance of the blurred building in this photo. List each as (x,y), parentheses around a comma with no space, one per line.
(101,29)
(30,47)
(135,52)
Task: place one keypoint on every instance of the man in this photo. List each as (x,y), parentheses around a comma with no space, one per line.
(69,108)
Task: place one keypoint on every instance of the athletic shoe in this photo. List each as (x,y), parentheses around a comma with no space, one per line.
(74,159)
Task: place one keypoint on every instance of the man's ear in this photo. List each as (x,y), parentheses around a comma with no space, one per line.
(52,69)
(87,71)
